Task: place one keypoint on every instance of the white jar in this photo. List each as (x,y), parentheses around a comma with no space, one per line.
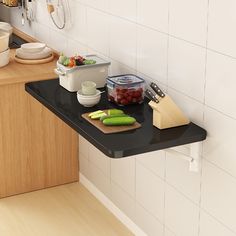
(4,41)
(4,57)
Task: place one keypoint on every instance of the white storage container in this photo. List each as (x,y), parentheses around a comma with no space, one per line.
(71,78)
(4,41)
(4,57)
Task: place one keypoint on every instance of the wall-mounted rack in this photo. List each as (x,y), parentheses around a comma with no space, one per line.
(193,156)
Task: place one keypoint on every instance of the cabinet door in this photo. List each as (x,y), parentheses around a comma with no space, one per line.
(37,149)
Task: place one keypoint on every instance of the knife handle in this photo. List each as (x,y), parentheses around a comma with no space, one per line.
(157,90)
(151,96)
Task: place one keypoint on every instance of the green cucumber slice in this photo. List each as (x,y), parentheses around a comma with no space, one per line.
(95,113)
(98,116)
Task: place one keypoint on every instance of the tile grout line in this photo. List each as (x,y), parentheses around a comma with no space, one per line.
(168,48)
(167,83)
(218,221)
(203,120)
(220,168)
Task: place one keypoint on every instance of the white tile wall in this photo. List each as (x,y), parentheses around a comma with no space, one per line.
(219,194)
(123,174)
(78,28)
(98,31)
(154,161)
(192,108)
(220,79)
(123,41)
(186,68)
(178,175)
(209,226)
(164,41)
(129,11)
(219,148)
(123,200)
(168,232)
(188,20)
(42,32)
(84,165)
(102,5)
(117,68)
(150,191)
(153,13)
(181,215)
(75,46)
(99,179)
(221,25)
(148,222)
(83,147)
(99,160)
(152,54)
(60,44)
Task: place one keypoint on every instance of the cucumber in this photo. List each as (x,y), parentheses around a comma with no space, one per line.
(115,121)
(111,116)
(98,116)
(95,113)
(114,112)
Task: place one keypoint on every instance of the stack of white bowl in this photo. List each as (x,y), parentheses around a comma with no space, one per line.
(5,33)
(33,51)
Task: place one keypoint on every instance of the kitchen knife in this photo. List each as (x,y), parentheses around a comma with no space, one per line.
(157,90)
(151,96)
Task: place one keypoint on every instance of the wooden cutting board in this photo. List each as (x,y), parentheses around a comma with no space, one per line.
(110,129)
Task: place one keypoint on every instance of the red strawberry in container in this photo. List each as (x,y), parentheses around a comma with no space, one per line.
(125,89)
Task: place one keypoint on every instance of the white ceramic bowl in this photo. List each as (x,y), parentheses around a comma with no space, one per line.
(88,100)
(4,57)
(33,47)
(4,41)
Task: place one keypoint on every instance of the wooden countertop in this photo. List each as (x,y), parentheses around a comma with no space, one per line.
(19,73)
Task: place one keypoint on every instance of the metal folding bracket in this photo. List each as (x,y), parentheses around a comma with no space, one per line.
(194,156)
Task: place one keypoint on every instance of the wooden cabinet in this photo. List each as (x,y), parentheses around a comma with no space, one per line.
(37,150)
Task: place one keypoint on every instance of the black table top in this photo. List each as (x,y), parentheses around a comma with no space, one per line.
(148,138)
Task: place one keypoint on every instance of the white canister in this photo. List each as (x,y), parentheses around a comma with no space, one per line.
(4,57)
(6,27)
(4,41)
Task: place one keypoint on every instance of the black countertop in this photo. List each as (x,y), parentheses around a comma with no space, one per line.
(145,139)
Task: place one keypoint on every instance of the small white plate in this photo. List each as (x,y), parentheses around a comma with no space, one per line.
(33,47)
(46,52)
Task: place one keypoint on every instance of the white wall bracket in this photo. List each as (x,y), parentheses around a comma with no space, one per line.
(194,156)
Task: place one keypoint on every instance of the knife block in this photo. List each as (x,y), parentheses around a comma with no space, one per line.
(166,114)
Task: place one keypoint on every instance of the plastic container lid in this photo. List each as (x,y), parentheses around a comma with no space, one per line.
(99,62)
(128,79)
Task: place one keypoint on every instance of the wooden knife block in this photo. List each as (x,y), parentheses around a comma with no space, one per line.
(166,114)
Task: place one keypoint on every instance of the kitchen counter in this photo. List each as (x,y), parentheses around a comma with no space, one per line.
(145,139)
(37,149)
(19,73)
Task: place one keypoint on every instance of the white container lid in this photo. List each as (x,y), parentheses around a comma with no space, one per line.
(99,62)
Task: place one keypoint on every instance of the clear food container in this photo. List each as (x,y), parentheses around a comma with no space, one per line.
(125,89)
